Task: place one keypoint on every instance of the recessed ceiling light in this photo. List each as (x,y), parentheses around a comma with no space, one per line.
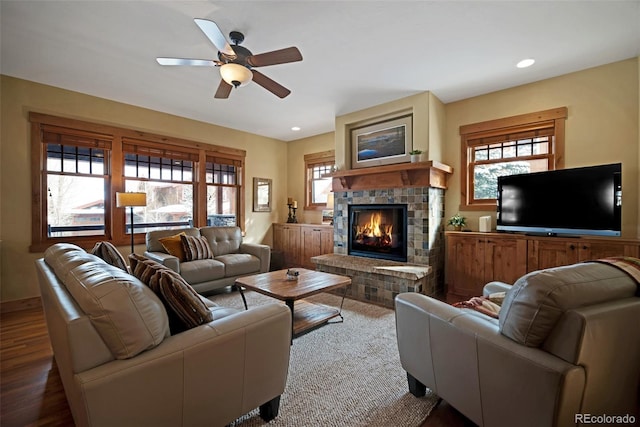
(295,128)
(525,63)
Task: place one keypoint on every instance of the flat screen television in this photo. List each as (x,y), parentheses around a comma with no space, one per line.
(579,201)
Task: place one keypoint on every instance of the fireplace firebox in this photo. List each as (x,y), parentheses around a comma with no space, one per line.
(378,231)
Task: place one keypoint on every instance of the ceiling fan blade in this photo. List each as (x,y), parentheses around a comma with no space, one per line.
(213,33)
(224,89)
(282,56)
(184,61)
(276,88)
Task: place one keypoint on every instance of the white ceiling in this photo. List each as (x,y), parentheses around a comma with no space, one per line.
(356,53)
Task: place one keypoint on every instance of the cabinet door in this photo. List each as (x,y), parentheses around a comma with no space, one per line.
(326,241)
(549,253)
(287,239)
(464,267)
(505,260)
(310,246)
(315,241)
(590,250)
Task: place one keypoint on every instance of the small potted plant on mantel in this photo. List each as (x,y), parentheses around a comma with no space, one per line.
(416,155)
(457,222)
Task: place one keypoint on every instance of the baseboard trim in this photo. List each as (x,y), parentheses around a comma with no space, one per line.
(20,304)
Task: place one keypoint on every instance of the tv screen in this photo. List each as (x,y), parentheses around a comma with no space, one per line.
(580,201)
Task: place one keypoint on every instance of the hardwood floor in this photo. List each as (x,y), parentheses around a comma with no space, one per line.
(31,392)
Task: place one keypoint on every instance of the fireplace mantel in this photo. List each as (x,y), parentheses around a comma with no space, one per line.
(402,175)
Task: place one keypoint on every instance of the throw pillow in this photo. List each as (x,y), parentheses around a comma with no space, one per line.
(144,268)
(173,245)
(181,300)
(196,247)
(109,253)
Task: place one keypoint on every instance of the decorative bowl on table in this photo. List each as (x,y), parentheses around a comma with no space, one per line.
(292,274)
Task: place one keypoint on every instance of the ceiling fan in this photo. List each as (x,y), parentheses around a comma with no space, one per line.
(237,64)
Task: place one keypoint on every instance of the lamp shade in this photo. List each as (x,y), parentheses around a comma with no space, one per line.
(131,199)
(330,201)
(235,74)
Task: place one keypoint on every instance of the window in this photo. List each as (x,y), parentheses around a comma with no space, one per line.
(166,176)
(76,170)
(317,186)
(514,145)
(223,186)
(79,166)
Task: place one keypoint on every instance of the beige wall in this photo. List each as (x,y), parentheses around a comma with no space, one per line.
(602,127)
(266,158)
(418,105)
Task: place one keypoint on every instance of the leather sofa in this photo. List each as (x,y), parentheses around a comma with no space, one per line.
(121,367)
(565,346)
(232,258)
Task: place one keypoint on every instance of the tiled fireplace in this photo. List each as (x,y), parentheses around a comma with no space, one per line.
(379,281)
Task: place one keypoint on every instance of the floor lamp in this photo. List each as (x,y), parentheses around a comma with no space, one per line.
(129,200)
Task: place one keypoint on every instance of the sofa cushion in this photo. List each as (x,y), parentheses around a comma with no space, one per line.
(195,248)
(239,264)
(535,303)
(128,316)
(173,245)
(64,257)
(202,270)
(110,254)
(182,299)
(223,240)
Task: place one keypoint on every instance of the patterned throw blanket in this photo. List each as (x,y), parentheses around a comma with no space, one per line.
(628,264)
(486,305)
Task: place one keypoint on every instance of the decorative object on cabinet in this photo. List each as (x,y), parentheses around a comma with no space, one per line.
(457,222)
(262,195)
(293,206)
(382,143)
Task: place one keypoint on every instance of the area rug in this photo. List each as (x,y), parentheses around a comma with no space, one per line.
(343,374)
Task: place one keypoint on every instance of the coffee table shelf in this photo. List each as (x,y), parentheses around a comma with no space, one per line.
(305,315)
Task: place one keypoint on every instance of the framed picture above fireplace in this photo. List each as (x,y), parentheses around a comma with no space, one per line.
(382,143)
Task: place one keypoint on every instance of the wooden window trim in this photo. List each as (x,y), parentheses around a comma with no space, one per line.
(116,139)
(310,161)
(473,134)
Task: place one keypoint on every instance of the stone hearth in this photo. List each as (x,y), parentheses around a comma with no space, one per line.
(376,280)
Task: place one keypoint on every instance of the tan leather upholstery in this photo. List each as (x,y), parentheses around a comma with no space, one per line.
(208,375)
(588,363)
(232,257)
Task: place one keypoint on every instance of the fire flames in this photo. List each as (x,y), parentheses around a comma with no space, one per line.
(374,233)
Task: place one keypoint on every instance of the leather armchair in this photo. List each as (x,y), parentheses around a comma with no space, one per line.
(567,342)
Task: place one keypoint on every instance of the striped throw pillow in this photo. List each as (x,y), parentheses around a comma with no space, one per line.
(181,300)
(196,247)
(144,268)
(109,254)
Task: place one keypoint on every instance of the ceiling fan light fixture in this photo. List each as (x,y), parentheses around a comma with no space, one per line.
(235,74)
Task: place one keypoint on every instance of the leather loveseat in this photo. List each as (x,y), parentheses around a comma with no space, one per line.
(121,367)
(565,346)
(231,257)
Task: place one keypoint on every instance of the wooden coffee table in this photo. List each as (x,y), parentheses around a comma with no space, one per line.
(306,314)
